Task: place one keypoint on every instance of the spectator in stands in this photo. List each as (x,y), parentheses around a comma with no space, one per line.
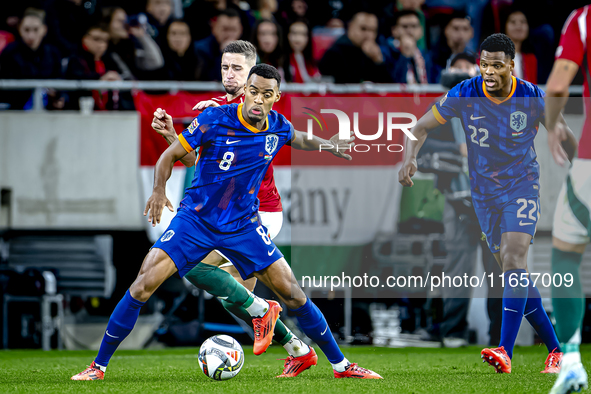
(30,57)
(180,61)
(457,34)
(356,57)
(93,62)
(267,39)
(159,14)
(265,9)
(301,66)
(134,51)
(67,20)
(412,5)
(526,63)
(472,8)
(405,61)
(226,27)
(201,14)
(291,11)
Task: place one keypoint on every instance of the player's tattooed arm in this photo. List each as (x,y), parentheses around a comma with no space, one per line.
(409,166)
(334,145)
(561,140)
(163,125)
(162,172)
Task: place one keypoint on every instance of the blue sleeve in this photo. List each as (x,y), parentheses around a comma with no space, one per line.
(448,106)
(200,130)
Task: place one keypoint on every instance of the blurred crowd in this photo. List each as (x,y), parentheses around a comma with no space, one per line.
(344,41)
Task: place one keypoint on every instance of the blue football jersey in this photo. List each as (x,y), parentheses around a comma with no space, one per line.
(232,160)
(499,135)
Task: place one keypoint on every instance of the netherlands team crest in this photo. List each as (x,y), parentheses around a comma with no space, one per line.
(271,142)
(518,121)
(167,236)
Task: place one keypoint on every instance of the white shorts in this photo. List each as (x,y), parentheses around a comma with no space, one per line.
(572,219)
(272,221)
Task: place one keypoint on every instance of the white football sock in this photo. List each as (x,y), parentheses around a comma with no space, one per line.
(296,348)
(104,369)
(340,367)
(258,308)
(571,358)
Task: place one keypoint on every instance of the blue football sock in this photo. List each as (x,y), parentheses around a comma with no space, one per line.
(314,325)
(514,299)
(536,316)
(120,325)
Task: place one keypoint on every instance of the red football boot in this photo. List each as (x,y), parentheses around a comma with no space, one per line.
(296,365)
(355,371)
(264,327)
(91,373)
(497,358)
(553,362)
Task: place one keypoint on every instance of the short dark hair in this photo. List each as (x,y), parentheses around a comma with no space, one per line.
(98,26)
(266,71)
(403,13)
(244,48)
(463,56)
(229,12)
(499,42)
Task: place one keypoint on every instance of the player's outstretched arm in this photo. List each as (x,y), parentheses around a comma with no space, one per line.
(412,148)
(561,140)
(334,145)
(200,106)
(163,125)
(158,200)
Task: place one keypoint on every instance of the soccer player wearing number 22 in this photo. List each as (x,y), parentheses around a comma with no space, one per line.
(219,211)
(500,115)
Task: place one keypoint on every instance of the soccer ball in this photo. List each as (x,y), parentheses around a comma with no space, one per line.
(221,357)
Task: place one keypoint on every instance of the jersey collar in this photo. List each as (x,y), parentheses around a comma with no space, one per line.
(247,125)
(496,100)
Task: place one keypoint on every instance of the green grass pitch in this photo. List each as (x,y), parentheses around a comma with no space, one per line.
(407,370)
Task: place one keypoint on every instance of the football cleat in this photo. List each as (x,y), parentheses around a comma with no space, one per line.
(264,327)
(497,358)
(571,379)
(91,373)
(553,362)
(355,371)
(296,365)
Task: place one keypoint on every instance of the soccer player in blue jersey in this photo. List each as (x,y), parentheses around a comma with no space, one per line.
(236,144)
(500,115)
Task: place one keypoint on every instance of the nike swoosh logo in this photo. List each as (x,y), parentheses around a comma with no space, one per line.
(112,336)
(524,224)
(271,252)
(510,310)
(326,329)
(478,117)
(231,142)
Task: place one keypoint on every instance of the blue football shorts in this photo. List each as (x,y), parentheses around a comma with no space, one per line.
(187,241)
(519,214)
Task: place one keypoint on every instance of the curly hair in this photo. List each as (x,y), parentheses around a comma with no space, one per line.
(499,42)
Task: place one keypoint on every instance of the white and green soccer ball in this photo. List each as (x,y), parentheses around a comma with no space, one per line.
(221,357)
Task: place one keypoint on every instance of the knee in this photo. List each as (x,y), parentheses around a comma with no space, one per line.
(139,292)
(141,289)
(514,260)
(295,303)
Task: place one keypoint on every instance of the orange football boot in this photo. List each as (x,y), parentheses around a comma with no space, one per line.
(553,362)
(355,371)
(497,358)
(264,327)
(296,365)
(91,373)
